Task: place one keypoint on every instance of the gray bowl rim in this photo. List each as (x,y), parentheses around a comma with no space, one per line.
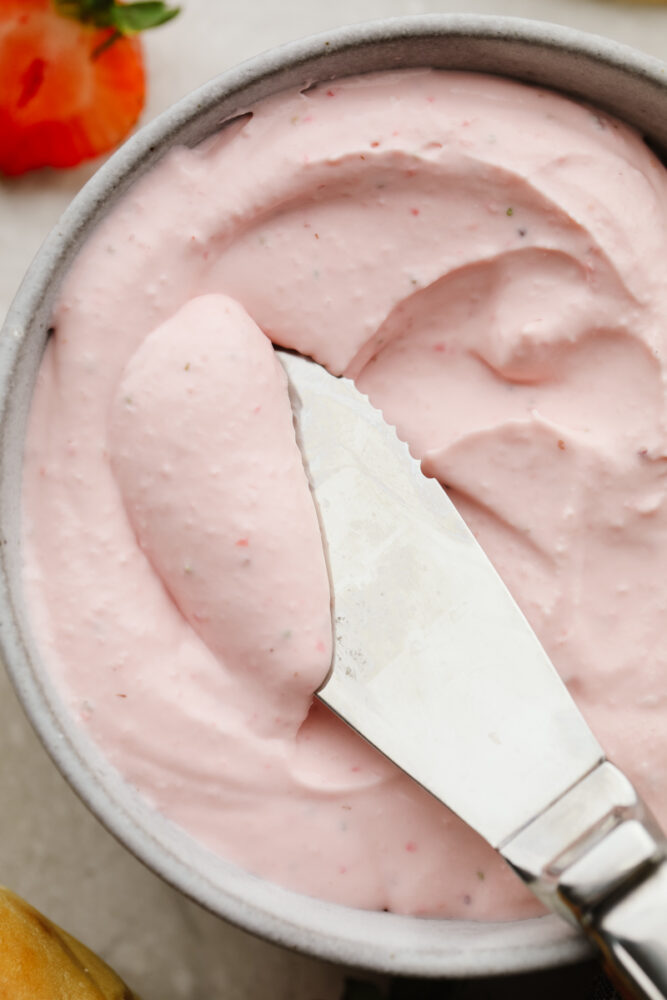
(378,941)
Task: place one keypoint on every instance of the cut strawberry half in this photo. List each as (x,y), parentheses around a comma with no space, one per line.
(72,81)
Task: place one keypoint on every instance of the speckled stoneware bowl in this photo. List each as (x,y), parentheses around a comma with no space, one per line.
(622,81)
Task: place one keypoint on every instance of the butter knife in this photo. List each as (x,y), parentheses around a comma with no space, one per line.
(435,665)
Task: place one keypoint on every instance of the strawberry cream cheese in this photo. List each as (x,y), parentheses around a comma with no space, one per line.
(486,260)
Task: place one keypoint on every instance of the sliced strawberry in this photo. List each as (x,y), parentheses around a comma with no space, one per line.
(69,89)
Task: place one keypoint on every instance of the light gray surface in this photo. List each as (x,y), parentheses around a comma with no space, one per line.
(588,65)
(51,849)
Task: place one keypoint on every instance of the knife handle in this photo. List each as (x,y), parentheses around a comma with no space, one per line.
(633,937)
(598,858)
(617,891)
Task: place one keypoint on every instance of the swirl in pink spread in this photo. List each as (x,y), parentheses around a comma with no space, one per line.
(487,261)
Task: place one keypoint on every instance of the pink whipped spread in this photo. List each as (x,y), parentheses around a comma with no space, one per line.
(487,260)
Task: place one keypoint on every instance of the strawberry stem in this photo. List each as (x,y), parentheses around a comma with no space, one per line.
(106,44)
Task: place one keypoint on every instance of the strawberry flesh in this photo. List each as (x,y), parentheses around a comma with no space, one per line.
(64,96)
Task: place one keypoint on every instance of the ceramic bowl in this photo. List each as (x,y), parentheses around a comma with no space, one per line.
(626,83)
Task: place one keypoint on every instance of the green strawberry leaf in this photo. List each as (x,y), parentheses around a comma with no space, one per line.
(87,11)
(132,18)
(124,18)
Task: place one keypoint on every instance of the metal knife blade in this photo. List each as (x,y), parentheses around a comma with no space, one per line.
(436,666)
(434,663)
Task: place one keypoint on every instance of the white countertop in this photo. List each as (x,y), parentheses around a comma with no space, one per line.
(52,850)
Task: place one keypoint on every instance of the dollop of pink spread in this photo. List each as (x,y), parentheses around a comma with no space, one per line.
(487,260)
